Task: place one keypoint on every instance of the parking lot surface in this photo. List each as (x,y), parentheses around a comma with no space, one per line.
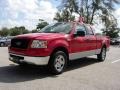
(83,74)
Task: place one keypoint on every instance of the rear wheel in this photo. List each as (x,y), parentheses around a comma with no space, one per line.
(58,62)
(102,55)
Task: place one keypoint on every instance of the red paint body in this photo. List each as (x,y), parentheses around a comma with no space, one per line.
(55,40)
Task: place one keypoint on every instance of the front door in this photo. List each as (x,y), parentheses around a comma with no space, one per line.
(78,44)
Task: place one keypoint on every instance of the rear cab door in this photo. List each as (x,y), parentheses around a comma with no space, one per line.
(91,38)
(94,42)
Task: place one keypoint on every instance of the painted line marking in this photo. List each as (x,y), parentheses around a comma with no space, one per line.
(116,61)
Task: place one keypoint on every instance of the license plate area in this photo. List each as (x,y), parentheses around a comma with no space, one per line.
(16,58)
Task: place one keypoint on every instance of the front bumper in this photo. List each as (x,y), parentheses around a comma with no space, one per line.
(28,59)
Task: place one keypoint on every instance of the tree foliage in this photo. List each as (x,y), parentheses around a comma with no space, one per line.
(90,9)
(21,30)
(34,31)
(13,31)
(18,30)
(112,31)
(64,16)
(42,23)
(4,32)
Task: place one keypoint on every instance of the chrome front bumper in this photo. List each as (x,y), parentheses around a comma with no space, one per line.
(27,59)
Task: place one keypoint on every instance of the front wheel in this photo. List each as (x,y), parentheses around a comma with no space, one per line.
(102,55)
(58,62)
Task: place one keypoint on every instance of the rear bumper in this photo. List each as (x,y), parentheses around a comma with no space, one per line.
(27,59)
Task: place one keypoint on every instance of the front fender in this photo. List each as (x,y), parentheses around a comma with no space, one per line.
(58,43)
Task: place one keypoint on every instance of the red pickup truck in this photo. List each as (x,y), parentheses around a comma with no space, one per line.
(58,43)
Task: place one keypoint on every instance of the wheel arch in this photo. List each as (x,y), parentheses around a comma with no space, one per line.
(60,48)
(104,45)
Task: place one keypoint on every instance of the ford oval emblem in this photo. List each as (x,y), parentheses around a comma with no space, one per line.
(18,43)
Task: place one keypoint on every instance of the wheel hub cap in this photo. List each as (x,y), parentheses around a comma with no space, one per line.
(59,63)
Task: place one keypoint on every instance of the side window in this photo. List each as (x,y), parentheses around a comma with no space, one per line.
(80,28)
(89,30)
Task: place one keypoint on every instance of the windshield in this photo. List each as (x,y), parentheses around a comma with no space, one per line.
(57,28)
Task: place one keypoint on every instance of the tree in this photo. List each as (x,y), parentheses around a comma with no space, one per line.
(14,31)
(64,15)
(41,24)
(110,25)
(111,28)
(4,32)
(23,30)
(18,30)
(112,32)
(34,31)
(89,8)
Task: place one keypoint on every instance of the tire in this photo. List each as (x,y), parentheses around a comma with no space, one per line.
(58,62)
(2,44)
(101,57)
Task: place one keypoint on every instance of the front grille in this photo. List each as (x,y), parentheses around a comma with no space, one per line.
(20,43)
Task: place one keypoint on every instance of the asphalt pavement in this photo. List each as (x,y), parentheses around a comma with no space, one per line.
(83,74)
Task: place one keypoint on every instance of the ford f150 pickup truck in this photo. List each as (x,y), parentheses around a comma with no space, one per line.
(56,44)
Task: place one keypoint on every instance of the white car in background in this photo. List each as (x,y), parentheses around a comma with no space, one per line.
(115,41)
(5,41)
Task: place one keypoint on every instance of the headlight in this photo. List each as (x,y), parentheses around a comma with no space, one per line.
(39,44)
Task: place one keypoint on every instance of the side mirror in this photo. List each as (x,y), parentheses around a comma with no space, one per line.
(80,33)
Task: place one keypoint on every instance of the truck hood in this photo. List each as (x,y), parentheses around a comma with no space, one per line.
(42,35)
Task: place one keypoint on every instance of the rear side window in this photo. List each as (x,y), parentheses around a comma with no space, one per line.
(89,30)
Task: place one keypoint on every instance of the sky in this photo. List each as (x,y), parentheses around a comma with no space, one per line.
(27,12)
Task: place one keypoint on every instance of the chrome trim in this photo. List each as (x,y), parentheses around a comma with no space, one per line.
(77,55)
(31,60)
